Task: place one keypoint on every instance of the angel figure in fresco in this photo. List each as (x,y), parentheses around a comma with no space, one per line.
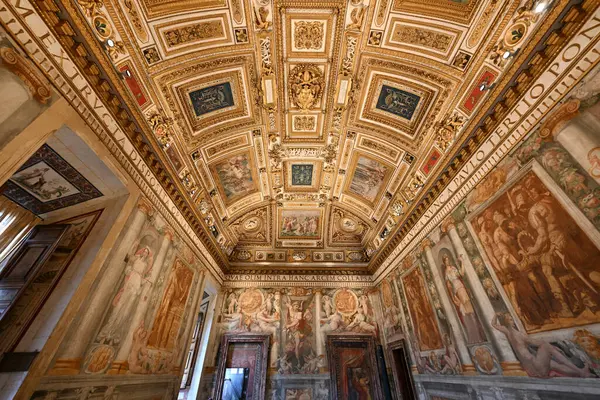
(333,323)
(364,304)
(460,297)
(327,305)
(232,303)
(137,271)
(539,358)
(359,324)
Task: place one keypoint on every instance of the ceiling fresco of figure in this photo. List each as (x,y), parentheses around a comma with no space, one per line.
(304,132)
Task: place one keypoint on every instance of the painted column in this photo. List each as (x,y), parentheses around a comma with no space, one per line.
(577,135)
(485,305)
(318,316)
(455,327)
(144,301)
(69,361)
(191,313)
(395,282)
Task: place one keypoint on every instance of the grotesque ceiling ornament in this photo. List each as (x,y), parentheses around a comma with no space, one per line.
(306,86)
(277,54)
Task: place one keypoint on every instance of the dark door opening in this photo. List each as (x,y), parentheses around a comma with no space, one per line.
(402,374)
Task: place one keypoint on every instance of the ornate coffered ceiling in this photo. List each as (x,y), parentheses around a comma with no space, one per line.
(304,133)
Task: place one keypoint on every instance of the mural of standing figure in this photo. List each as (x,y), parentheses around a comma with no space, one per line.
(170,313)
(460,296)
(137,271)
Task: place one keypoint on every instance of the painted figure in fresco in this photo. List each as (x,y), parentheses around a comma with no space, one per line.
(232,303)
(539,358)
(543,259)
(450,361)
(298,328)
(168,320)
(137,271)
(550,246)
(460,297)
(268,322)
(364,304)
(327,306)
(424,322)
(333,323)
(359,324)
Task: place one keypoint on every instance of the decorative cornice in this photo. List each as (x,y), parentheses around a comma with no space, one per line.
(18,65)
(96,67)
(564,19)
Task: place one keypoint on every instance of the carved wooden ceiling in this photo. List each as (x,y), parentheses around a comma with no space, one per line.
(304,131)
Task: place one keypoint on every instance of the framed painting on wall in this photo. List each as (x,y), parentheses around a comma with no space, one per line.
(246,357)
(354,369)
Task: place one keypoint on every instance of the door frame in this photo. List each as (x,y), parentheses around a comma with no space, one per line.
(260,374)
(397,345)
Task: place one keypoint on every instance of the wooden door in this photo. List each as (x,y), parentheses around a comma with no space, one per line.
(25,261)
(401,371)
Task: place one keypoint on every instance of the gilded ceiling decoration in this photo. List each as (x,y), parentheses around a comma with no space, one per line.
(304,132)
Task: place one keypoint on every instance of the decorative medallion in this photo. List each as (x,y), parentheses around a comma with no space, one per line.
(346,302)
(306,86)
(250,301)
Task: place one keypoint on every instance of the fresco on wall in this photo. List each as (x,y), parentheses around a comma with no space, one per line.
(137,318)
(392,323)
(299,354)
(298,320)
(170,313)
(544,260)
(457,288)
(346,311)
(424,322)
(137,271)
(526,232)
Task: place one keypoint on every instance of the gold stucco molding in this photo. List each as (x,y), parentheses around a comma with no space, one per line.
(18,65)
